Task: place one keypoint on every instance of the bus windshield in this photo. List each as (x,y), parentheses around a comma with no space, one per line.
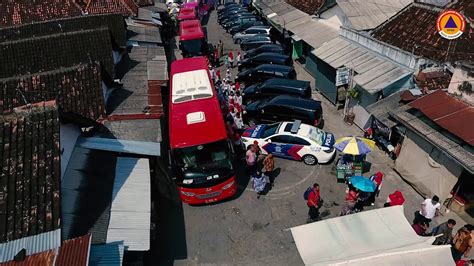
(215,155)
(192,46)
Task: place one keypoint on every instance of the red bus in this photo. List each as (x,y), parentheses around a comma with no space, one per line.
(187,13)
(192,40)
(201,154)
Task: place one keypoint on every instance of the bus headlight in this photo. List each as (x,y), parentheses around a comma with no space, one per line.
(188,194)
(187,181)
(228,185)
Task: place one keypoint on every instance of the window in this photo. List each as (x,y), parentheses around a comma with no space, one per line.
(261,31)
(282,139)
(299,141)
(251,31)
(279,74)
(270,130)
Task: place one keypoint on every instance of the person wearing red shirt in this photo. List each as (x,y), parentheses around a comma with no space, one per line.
(313,201)
(377,178)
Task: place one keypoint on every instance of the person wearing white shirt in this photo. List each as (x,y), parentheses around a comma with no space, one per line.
(429,209)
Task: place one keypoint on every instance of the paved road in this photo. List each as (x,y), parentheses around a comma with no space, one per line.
(254,231)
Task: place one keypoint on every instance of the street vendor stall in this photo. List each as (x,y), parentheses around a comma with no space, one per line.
(353,160)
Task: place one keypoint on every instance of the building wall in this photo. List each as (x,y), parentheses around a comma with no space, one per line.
(436,154)
(325,77)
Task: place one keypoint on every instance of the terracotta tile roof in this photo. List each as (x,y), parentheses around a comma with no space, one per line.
(30,177)
(50,52)
(114,22)
(414,30)
(77,89)
(307,6)
(124,7)
(449,113)
(73,252)
(432,80)
(26,11)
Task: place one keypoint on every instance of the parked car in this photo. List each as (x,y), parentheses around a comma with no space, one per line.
(224,19)
(292,140)
(250,32)
(284,108)
(254,42)
(264,72)
(230,12)
(265,58)
(271,48)
(228,8)
(226,22)
(274,87)
(240,21)
(239,28)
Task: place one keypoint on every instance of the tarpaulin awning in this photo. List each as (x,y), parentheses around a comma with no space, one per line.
(375,237)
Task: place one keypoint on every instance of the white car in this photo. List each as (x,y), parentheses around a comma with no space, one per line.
(292,140)
(250,32)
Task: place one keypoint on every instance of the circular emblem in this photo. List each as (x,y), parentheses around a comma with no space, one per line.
(450,24)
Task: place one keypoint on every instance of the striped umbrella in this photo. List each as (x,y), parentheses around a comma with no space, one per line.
(354,145)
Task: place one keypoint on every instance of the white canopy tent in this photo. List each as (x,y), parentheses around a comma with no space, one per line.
(375,237)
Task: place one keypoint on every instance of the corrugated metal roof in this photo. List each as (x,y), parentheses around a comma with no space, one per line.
(373,72)
(106,255)
(448,112)
(130,211)
(381,109)
(74,252)
(32,244)
(45,258)
(143,33)
(315,33)
(120,146)
(86,194)
(368,14)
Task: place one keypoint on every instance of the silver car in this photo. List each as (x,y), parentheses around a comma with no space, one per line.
(250,32)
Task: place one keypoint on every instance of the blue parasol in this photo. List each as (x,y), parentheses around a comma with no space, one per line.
(362,183)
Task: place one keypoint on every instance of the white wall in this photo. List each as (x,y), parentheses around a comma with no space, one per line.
(68,137)
(459,76)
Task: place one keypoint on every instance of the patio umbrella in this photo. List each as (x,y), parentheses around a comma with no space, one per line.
(354,145)
(362,183)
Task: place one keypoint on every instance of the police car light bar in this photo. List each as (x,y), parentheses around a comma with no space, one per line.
(296,126)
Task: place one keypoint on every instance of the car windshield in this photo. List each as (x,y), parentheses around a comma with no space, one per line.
(209,156)
(270,130)
(192,46)
(316,135)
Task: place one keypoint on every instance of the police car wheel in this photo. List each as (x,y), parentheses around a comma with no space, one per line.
(309,159)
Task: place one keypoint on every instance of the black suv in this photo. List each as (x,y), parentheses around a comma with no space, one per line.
(264,72)
(275,87)
(244,26)
(266,48)
(266,58)
(284,108)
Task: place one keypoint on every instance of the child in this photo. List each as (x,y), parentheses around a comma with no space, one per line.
(258,183)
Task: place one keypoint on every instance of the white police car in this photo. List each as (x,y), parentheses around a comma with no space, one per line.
(292,140)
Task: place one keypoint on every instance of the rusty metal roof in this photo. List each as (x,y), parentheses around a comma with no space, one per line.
(449,113)
(74,251)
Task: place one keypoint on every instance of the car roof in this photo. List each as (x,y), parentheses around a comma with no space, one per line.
(257,38)
(303,130)
(270,54)
(285,82)
(260,27)
(275,67)
(301,103)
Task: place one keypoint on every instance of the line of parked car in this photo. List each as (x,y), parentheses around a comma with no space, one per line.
(272,94)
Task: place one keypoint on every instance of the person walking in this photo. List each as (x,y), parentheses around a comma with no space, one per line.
(216,57)
(259,183)
(228,76)
(238,121)
(445,230)
(313,201)
(429,209)
(213,74)
(462,243)
(377,179)
(220,44)
(231,59)
(226,61)
(251,159)
(239,58)
(268,167)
